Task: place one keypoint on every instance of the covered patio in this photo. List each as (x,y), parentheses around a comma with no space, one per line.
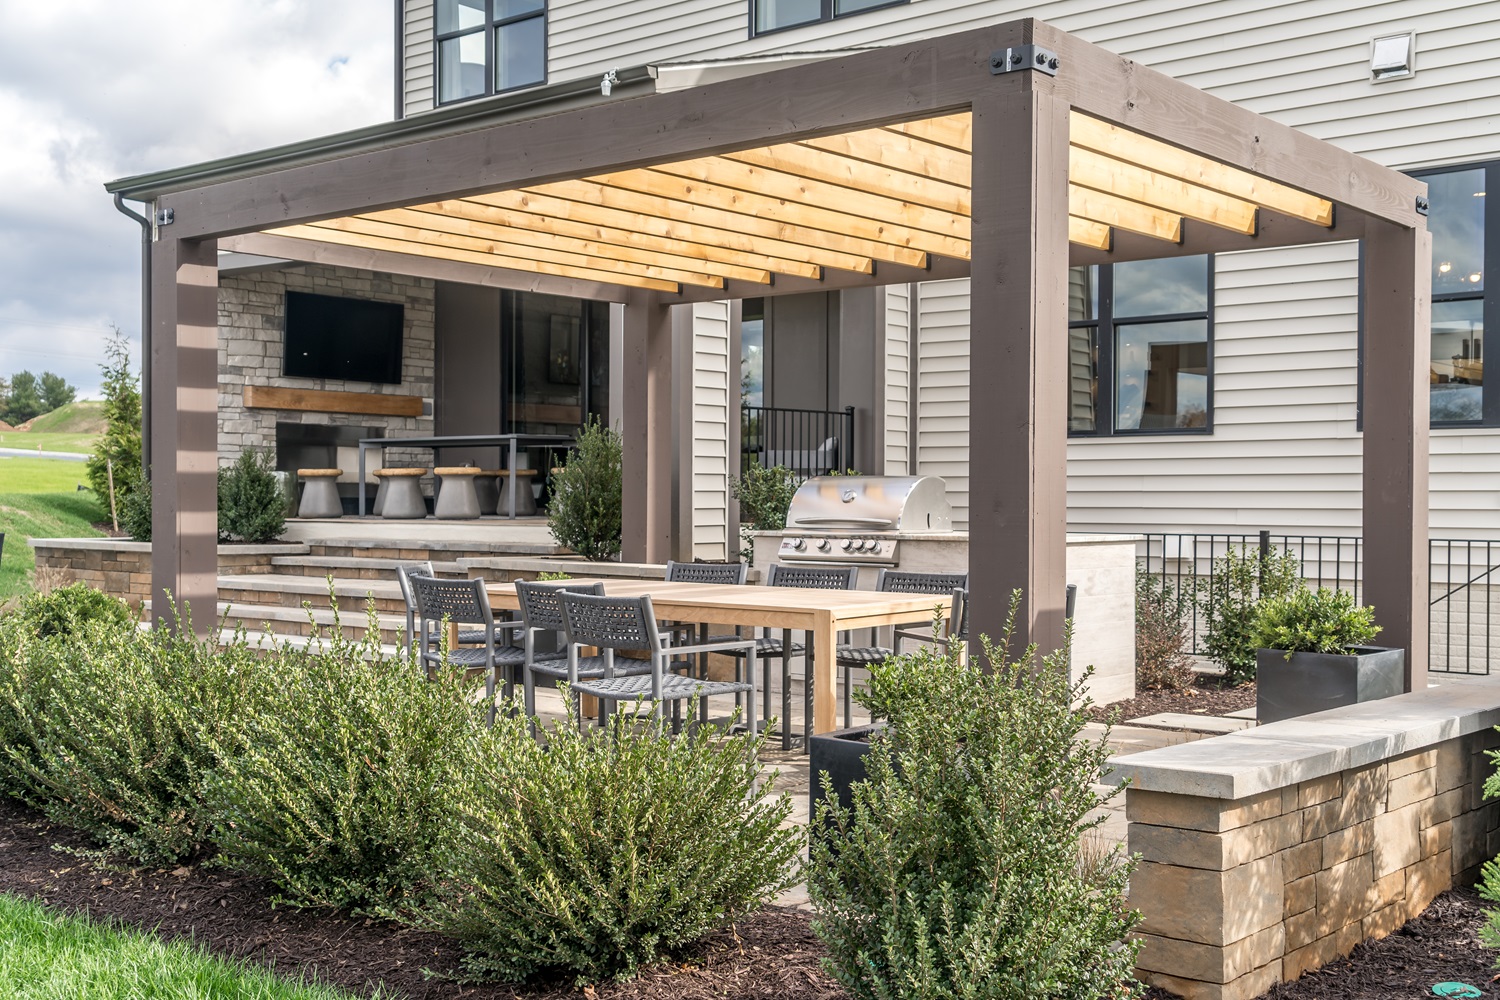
(1006,154)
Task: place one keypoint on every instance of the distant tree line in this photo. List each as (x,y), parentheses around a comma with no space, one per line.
(24,396)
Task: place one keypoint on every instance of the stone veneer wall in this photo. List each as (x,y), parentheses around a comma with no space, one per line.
(1239,894)
(252,315)
(123,568)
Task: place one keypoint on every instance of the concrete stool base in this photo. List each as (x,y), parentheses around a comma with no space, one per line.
(525,499)
(320,493)
(487,490)
(402,490)
(457,500)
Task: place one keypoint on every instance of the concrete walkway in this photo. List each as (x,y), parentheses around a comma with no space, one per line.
(65,456)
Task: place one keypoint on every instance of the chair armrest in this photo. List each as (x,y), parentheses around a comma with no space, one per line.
(714,647)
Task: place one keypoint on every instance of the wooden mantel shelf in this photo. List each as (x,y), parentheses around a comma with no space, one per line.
(270,397)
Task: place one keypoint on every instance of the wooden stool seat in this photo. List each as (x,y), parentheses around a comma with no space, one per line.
(320,473)
(383,473)
(455,470)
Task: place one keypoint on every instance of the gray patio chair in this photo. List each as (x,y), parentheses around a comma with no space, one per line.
(721,573)
(404,573)
(612,624)
(464,602)
(767,647)
(958,621)
(541,611)
(891,581)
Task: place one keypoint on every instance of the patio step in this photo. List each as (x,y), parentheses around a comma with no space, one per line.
(355,567)
(289,591)
(418,548)
(283,621)
(257,636)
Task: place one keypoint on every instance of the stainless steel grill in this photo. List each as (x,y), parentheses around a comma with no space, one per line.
(858,520)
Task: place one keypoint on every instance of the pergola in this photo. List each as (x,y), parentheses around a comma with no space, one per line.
(1006,154)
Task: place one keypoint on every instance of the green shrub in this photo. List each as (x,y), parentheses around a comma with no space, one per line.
(341,791)
(252,506)
(119,450)
(135,509)
(1312,621)
(1241,579)
(1162,616)
(1489,874)
(967,864)
(112,731)
(764,496)
(66,610)
(585,512)
(595,856)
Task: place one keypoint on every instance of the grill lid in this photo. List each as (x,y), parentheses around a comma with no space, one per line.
(871,503)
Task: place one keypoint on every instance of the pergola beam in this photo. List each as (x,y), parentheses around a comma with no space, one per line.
(851,180)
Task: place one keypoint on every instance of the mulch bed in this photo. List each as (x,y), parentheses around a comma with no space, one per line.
(1207,697)
(772,955)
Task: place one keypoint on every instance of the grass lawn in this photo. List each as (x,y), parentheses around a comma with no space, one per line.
(79,443)
(38,515)
(40,475)
(51,957)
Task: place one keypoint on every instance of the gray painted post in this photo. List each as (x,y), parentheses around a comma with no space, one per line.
(1018,365)
(646,429)
(185,431)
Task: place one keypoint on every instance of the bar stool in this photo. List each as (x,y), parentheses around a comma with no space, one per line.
(456,499)
(525,499)
(320,493)
(487,490)
(401,490)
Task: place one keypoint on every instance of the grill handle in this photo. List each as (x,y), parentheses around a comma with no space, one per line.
(863,522)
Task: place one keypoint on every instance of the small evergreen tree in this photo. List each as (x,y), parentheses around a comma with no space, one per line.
(121,443)
(585,512)
(56,392)
(252,507)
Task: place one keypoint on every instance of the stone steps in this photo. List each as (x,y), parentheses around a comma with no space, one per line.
(289,591)
(284,621)
(355,567)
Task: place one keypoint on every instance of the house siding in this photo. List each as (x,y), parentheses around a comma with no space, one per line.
(714,403)
(419,58)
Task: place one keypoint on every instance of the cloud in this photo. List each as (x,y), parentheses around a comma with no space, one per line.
(91,91)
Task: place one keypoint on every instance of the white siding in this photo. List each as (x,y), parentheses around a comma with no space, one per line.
(713,406)
(897,405)
(942,380)
(419,58)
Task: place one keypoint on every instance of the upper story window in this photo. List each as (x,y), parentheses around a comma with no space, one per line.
(1140,347)
(489,46)
(774,15)
(1462,311)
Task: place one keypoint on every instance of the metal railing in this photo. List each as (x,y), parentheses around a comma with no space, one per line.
(809,442)
(1464,576)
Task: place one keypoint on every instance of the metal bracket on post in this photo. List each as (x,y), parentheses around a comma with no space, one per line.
(166,216)
(1023,57)
(1421,205)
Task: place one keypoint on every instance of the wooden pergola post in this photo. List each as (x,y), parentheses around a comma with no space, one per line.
(185,431)
(1018,502)
(1398,333)
(646,427)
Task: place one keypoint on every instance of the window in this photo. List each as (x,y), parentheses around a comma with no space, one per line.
(774,15)
(1140,352)
(489,46)
(555,362)
(1461,312)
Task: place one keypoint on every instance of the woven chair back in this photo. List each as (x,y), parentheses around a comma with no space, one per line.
(696,572)
(541,603)
(610,622)
(813,577)
(896,581)
(459,601)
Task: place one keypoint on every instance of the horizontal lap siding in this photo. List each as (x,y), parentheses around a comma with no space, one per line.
(712,409)
(897,380)
(942,386)
(419,57)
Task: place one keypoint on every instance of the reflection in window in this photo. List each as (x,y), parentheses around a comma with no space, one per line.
(1139,348)
(1456,221)
(556,362)
(489,46)
(753,352)
(773,15)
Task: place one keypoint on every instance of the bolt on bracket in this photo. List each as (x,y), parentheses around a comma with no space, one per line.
(1021,57)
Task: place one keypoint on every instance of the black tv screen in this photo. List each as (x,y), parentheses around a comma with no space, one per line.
(352,339)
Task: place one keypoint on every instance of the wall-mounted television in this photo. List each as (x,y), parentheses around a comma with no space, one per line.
(357,340)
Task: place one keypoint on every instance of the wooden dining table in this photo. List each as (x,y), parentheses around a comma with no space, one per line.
(821,613)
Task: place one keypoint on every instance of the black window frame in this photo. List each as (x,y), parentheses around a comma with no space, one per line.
(1105,323)
(826,13)
(490,28)
(1488,296)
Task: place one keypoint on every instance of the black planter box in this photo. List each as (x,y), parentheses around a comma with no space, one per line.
(842,754)
(1314,682)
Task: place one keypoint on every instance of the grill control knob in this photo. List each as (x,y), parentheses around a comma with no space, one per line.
(799,544)
(860,545)
(848,545)
(824,545)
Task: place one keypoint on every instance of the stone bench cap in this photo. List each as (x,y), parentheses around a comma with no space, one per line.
(319,473)
(1281,754)
(401,472)
(455,470)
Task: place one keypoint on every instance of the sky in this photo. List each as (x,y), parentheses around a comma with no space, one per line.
(92,91)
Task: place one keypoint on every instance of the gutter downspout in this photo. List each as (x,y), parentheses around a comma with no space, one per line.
(145,224)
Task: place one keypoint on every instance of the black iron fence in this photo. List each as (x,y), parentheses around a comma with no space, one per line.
(1464,576)
(809,442)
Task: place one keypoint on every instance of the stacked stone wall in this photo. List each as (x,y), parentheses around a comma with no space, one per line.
(123,568)
(1240,894)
